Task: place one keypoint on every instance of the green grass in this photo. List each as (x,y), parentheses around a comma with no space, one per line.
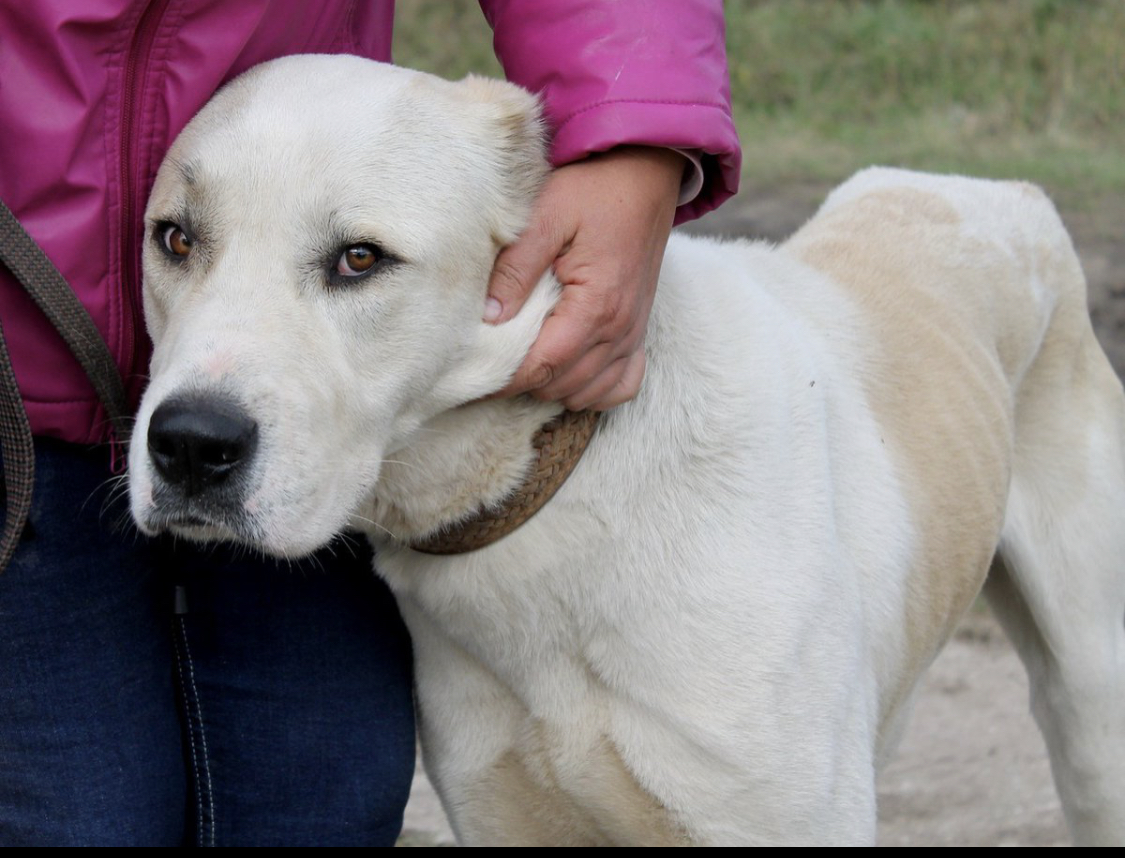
(447,37)
(1007,88)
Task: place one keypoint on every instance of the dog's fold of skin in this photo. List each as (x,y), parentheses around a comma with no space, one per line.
(712,632)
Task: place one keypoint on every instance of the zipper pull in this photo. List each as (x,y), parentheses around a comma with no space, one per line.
(179,600)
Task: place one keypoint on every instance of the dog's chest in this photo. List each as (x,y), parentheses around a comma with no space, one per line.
(516,701)
(529,620)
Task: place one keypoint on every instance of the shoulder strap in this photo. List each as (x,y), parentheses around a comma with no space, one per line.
(18,455)
(49,289)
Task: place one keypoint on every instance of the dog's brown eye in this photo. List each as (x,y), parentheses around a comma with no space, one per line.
(357,259)
(176,241)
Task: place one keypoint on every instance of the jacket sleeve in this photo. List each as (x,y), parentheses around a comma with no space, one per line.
(615,72)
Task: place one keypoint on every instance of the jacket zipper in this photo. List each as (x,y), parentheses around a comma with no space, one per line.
(136,67)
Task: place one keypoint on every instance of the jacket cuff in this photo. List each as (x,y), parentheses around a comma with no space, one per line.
(668,124)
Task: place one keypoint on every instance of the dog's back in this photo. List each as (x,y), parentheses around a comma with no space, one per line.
(1004,409)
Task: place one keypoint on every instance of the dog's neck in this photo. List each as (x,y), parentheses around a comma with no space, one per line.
(558,447)
(469,456)
(462,460)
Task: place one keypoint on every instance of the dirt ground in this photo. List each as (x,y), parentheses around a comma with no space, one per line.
(971,768)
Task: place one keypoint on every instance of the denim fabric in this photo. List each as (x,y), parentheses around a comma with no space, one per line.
(155,694)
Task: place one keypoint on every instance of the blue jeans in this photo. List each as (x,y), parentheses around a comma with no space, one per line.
(165,694)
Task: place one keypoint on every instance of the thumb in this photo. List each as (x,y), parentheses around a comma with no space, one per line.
(517,269)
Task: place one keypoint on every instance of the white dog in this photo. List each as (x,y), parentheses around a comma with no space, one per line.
(712,632)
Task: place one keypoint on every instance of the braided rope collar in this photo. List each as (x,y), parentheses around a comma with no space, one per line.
(559,444)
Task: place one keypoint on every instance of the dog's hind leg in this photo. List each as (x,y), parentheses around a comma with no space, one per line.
(1058,585)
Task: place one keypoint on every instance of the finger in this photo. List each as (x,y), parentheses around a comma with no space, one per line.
(597,372)
(584,382)
(590,377)
(519,266)
(604,388)
(627,387)
(562,342)
(571,331)
(576,345)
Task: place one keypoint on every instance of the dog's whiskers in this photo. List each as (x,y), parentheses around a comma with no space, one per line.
(400,462)
(355,517)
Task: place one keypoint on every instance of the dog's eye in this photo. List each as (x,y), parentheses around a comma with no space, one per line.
(358,259)
(176,241)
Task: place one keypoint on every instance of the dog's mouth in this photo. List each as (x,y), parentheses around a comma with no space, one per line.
(188,522)
(197,526)
(217,515)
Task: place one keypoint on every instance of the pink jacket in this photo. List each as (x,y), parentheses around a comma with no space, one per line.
(93,93)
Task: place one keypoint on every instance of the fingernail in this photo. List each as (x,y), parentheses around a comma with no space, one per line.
(492,309)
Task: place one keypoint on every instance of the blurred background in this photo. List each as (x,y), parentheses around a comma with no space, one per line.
(1029,89)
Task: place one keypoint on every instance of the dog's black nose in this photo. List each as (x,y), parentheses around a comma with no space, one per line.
(196,443)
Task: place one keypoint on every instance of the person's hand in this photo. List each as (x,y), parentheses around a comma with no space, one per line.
(603,223)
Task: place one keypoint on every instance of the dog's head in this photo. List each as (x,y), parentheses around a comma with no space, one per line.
(317,251)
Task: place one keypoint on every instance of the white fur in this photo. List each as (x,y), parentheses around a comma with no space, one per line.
(711,633)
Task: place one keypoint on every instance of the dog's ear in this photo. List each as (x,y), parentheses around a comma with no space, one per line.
(514,132)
